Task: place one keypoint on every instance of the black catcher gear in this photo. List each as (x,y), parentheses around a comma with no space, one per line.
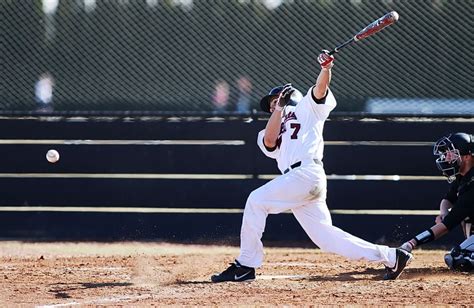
(461,258)
(449,150)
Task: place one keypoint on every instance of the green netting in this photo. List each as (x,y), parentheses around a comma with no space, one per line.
(173,55)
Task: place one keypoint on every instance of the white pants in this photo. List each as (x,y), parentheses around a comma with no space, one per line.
(303,191)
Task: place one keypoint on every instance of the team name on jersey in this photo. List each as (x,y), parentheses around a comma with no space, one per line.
(289,116)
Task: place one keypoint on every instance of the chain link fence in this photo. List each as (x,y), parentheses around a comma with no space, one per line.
(223,55)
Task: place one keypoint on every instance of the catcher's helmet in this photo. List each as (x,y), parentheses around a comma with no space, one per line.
(265,101)
(449,150)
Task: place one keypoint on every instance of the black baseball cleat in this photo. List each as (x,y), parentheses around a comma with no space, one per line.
(403,259)
(235,272)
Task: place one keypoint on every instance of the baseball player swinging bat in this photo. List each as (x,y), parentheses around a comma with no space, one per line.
(384,21)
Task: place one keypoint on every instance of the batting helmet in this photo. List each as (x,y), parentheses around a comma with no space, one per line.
(449,150)
(265,101)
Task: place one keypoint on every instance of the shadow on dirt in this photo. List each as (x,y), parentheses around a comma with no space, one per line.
(183,282)
(88,285)
(377,274)
(60,289)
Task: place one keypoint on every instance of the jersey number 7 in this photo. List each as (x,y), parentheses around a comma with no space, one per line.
(296,127)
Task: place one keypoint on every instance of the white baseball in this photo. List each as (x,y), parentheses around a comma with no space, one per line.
(52,156)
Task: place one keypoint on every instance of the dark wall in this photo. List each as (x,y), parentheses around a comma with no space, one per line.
(193,165)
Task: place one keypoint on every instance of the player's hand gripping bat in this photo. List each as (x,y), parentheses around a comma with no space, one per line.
(384,21)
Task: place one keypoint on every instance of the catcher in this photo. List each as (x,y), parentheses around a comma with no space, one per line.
(456,161)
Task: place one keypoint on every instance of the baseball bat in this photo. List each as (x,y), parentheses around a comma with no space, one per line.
(384,21)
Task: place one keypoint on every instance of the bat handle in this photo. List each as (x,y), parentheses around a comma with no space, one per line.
(336,50)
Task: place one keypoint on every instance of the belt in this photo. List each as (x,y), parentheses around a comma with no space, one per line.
(298,163)
(295,165)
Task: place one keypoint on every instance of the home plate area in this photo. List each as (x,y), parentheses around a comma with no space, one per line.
(136,273)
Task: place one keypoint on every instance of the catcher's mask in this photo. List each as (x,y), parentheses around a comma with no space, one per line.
(449,150)
(265,101)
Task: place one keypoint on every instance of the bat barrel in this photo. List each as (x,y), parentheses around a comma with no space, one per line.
(384,21)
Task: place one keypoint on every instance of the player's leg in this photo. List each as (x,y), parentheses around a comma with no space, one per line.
(461,257)
(315,220)
(280,194)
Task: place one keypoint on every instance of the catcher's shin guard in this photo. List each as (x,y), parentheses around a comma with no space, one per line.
(461,258)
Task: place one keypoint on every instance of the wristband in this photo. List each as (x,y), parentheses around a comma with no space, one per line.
(424,237)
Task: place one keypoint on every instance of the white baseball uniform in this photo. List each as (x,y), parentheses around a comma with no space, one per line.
(301,189)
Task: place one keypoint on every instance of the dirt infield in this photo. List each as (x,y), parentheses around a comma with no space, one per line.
(144,274)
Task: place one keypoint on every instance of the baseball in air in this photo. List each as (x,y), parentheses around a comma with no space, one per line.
(52,156)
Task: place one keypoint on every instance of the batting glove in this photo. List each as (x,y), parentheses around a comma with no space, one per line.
(285,95)
(326,60)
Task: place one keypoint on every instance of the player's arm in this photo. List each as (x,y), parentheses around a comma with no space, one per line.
(427,236)
(457,214)
(324,78)
(444,207)
(272,130)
